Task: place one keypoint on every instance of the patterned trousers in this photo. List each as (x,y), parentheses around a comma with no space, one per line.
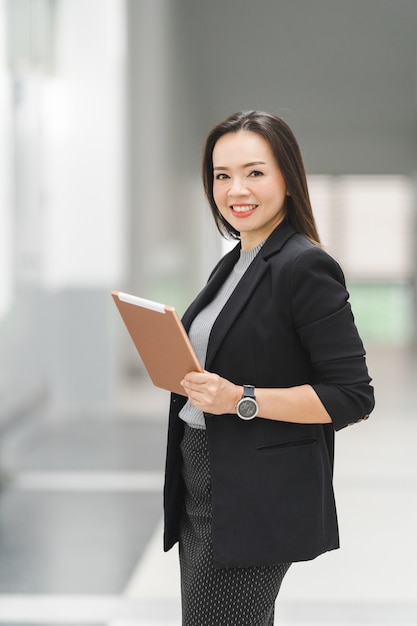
(232,596)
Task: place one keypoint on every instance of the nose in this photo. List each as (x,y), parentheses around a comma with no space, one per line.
(237,186)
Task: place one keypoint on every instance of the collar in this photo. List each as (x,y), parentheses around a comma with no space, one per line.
(277,239)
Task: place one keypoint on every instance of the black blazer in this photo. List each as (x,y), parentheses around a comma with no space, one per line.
(287,323)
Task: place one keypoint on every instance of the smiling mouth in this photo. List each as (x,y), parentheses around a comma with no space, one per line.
(243,210)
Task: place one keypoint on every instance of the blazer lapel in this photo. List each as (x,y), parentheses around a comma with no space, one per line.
(245,288)
(242,292)
(216,280)
(234,306)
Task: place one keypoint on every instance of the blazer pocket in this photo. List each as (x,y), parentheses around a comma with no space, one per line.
(283,446)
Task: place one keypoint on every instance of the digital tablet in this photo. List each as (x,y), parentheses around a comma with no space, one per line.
(160,338)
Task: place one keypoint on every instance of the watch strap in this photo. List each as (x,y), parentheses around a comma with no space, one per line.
(248,391)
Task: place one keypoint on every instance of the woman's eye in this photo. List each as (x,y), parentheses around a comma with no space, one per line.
(221,176)
(256,173)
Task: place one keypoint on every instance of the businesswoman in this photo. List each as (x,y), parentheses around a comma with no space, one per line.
(248,486)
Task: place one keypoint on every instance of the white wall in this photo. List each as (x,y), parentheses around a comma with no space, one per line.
(67,213)
(5,172)
(84,159)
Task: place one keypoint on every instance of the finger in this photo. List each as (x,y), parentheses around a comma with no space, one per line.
(198,377)
(193,384)
(190,387)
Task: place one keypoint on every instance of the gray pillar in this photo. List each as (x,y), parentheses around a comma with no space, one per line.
(414,277)
(172,242)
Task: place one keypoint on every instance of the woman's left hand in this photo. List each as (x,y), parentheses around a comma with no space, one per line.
(211,393)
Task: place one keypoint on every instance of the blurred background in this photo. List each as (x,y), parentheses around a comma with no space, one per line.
(104,105)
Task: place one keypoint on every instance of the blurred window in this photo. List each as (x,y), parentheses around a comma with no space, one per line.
(367,223)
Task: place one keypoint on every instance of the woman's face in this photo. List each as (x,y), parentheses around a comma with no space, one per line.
(248,186)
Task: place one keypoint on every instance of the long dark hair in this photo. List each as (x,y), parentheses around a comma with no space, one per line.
(288,156)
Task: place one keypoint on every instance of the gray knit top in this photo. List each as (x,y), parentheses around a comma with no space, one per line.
(202,324)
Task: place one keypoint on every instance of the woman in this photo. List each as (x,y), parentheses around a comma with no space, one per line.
(249,468)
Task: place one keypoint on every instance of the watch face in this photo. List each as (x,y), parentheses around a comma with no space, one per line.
(247,408)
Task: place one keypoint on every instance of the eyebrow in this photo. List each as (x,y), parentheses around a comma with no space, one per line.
(251,164)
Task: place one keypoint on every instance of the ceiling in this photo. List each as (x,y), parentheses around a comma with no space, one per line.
(341,73)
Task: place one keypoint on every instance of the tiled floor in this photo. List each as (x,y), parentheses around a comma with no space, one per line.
(80,511)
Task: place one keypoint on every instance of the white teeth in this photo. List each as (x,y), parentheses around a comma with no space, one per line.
(243,209)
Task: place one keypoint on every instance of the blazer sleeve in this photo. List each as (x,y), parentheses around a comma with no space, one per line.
(325,325)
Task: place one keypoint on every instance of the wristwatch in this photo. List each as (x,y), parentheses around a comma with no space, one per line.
(247,407)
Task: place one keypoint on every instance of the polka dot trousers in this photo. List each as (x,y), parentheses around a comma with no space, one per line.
(232,596)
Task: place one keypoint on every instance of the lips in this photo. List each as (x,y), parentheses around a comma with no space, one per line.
(243,210)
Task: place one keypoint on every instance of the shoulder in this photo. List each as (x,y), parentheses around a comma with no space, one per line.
(286,244)
(316,282)
(309,256)
(300,256)
(306,277)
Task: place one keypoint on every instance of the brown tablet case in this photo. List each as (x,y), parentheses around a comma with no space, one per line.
(160,339)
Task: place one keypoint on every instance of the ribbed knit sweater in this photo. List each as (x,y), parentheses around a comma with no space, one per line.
(202,324)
